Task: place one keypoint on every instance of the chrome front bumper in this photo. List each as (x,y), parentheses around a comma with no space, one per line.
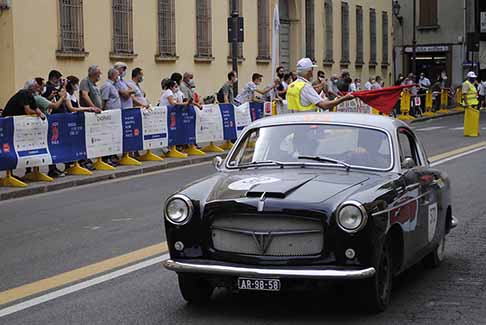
(214,268)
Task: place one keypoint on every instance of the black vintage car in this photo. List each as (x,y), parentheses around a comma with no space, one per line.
(303,199)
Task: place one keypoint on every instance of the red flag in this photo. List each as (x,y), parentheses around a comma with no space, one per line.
(381,99)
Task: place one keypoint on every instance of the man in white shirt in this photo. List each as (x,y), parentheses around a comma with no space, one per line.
(139,99)
(424,82)
(369,84)
(249,90)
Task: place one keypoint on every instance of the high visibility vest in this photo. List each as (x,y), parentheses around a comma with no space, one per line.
(472,94)
(293,97)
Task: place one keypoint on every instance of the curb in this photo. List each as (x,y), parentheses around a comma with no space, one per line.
(56,186)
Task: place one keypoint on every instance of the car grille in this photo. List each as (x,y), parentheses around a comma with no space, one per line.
(266,235)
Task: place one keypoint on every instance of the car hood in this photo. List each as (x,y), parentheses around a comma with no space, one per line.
(297,185)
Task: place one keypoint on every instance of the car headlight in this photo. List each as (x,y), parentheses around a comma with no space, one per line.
(352,216)
(178,209)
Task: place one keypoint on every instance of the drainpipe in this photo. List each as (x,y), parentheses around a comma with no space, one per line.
(464,36)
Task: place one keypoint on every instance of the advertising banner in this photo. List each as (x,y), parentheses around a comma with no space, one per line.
(66,137)
(155,134)
(229,124)
(132,130)
(182,125)
(104,134)
(30,141)
(242,117)
(8,157)
(209,124)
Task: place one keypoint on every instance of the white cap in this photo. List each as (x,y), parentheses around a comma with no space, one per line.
(120,65)
(305,64)
(471,74)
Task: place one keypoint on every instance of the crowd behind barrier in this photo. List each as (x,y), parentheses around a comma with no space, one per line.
(61,138)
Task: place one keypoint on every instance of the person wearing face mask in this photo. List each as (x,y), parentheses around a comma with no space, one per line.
(109,93)
(355,85)
(126,93)
(187,87)
(332,89)
(424,82)
(53,86)
(168,97)
(302,97)
(469,91)
(89,93)
(139,98)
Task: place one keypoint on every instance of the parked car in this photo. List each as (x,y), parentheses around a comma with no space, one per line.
(304,199)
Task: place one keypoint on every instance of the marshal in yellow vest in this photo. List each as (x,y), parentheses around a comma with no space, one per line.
(472,94)
(293,97)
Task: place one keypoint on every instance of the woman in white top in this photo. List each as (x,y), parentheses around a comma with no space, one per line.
(168,97)
(72,102)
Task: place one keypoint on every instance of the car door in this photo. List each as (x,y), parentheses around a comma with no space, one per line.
(412,212)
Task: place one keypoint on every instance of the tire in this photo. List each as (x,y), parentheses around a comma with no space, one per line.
(194,289)
(377,290)
(435,258)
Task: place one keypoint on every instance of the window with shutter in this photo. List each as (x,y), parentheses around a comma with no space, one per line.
(428,13)
(309,30)
(328,23)
(204,30)
(372,37)
(122,27)
(344,33)
(263,30)
(359,36)
(384,60)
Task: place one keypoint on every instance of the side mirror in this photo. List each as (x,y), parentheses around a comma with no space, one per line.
(217,162)
(408,163)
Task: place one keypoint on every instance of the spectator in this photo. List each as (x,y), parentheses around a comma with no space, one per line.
(139,98)
(409,81)
(53,85)
(344,81)
(378,84)
(355,85)
(169,97)
(23,102)
(72,101)
(424,82)
(226,94)
(482,93)
(369,84)
(294,76)
(187,88)
(125,92)
(56,105)
(280,72)
(400,79)
(332,89)
(109,93)
(249,90)
(443,80)
(179,95)
(89,93)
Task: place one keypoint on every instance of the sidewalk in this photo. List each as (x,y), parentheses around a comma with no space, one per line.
(60,183)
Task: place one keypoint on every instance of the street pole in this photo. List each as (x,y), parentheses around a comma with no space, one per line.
(414,40)
(234,41)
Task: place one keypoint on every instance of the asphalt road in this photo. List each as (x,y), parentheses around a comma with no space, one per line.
(45,235)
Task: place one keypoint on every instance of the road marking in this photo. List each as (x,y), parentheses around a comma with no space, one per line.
(431,128)
(80,286)
(457,129)
(81,273)
(143,258)
(456,152)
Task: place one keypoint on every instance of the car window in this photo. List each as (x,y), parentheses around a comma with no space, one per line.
(357,146)
(408,148)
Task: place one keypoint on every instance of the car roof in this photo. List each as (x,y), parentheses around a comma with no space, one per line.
(371,120)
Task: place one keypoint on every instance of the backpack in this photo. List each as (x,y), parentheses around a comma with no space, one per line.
(220,95)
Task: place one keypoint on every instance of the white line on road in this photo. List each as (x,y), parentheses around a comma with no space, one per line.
(431,128)
(440,162)
(82,285)
(457,129)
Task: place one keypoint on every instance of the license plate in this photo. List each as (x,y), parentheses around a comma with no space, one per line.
(259,284)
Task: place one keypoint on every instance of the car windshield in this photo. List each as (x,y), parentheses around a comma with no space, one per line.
(327,144)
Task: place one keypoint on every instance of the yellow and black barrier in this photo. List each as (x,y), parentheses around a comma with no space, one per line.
(428,105)
(405,102)
(471,122)
(444,102)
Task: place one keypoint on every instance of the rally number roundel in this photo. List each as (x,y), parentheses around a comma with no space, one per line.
(247,183)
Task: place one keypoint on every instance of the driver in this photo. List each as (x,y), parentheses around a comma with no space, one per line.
(304,142)
(367,153)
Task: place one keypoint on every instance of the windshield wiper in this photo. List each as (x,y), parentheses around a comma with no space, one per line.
(327,159)
(262,163)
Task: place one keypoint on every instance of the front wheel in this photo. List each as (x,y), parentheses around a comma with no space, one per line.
(377,290)
(194,289)
(435,258)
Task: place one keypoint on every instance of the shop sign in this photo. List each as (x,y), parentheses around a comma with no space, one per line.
(428,49)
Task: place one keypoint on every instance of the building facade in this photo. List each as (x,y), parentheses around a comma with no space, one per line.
(164,36)
(443,29)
